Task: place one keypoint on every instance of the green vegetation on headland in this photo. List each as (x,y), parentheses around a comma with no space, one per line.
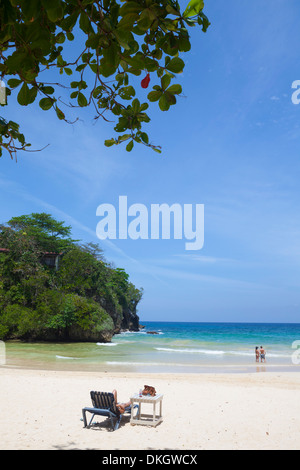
(53,288)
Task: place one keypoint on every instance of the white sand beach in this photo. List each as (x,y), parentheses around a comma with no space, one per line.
(42,410)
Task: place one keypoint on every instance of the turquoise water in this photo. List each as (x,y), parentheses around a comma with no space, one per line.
(177,347)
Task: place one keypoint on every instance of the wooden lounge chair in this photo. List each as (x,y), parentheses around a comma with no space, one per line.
(104,405)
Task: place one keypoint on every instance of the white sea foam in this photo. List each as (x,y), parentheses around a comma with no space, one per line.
(107,344)
(127,332)
(220,352)
(117,363)
(146,364)
(250,354)
(125,341)
(65,357)
(193,351)
(278,355)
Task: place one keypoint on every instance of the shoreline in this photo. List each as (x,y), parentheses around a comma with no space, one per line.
(155,369)
(200,411)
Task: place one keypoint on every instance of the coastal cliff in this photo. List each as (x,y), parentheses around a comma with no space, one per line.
(54,289)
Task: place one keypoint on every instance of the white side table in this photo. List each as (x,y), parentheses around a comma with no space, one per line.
(146,419)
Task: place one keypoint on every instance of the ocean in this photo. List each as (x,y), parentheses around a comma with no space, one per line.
(169,347)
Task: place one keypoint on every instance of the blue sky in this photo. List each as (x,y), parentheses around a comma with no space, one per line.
(231,143)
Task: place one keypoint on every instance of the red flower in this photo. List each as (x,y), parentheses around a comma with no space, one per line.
(145,82)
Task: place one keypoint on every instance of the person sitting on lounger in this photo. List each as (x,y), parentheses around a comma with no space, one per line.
(121,406)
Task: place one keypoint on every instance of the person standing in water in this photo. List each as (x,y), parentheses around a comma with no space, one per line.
(257,353)
(262,354)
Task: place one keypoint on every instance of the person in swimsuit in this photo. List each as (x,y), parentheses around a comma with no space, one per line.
(257,353)
(120,406)
(262,354)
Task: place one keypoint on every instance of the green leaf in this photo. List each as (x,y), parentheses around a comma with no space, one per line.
(32,94)
(98,91)
(193,8)
(184,44)
(48,90)
(129,146)
(136,105)
(48,4)
(134,71)
(145,20)
(170,9)
(176,65)
(144,106)
(124,137)
(106,69)
(154,95)
(70,36)
(59,113)
(150,64)
(109,143)
(127,21)
(22,95)
(190,22)
(165,81)
(82,101)
(145,137)
(130,8)
(80,67)
(111,55)
(55,14)
(69,22)
(175,89)
(15,126)
(60,61)
(126,93)
(163,103)
(171,99)
(60,38)
(203,21)
(110,60)
(84,23)
(46,103)
(123,38)
(93,41)
(137,62)
(14,82)
(26,95)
